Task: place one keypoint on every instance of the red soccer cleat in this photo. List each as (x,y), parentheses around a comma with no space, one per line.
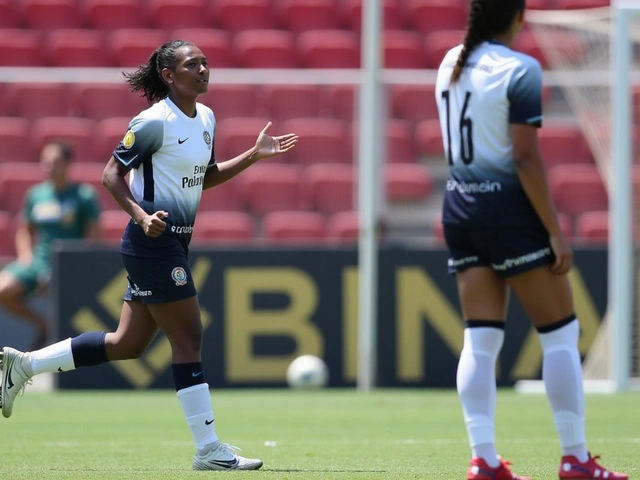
(572,469)
(479,470)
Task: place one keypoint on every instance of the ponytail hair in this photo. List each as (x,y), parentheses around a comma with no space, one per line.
(148,77)
(486,18)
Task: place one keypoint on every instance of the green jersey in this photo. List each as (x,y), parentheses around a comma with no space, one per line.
(59,215)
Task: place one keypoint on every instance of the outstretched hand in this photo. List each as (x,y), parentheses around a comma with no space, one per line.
(268,146)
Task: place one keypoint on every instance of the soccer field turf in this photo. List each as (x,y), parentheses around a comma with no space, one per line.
(331,434)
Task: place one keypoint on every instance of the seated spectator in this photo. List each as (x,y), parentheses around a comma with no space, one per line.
(57,208)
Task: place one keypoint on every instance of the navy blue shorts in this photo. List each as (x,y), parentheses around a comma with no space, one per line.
(158,280)
(508,251)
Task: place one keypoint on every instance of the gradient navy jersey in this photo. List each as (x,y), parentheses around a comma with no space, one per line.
(168,154)
(498,87)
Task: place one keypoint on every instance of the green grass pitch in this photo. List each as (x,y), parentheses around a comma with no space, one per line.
(331,434)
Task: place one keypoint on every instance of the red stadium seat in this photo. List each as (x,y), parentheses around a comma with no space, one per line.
(52,14)
(223,227)
(215,44)
(78,132)
(343,227)
(77,48)
(284,102)
(239,15)
(413,102)
(408,183)
(36,100)
(330,187)
(563,144)
(224,197)
(285,227)
(10,15)
(570,45)
(577,189)
(234,136)
(399,141)
(91,173)
(391,11)
(231,100)
(5,108)
(438,43)
(343,101)
(15,179)
(21,48)
(329,49)
(302,15)
(429,139)
(112,224)
(104,100)
(426,16)
(14,140)
(268,187)
(580,4)
(132,47)
(109,132)
(540,4)
(321,140)
(265,49)
(108,15)
(403,49)
(7,236)
(170,14)
(592,228)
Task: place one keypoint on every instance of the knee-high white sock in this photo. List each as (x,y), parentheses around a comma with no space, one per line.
(562,376)
(476,383)
(196,405)
(54,358)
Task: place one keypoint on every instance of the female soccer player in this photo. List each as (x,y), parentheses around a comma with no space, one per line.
(502,233)
(169,153)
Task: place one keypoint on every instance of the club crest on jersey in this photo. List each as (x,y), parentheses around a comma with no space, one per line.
(179,276)
(207,139)
(129,139)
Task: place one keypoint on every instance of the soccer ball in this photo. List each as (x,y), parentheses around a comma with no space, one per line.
(307,371)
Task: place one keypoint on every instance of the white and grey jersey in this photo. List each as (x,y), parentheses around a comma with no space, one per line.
(168,153)
(498,87)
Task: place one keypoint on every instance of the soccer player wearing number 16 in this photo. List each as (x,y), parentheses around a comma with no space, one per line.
(502,233)
(168,152)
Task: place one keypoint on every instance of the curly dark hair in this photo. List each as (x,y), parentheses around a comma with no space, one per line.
(148,77)
(486,18)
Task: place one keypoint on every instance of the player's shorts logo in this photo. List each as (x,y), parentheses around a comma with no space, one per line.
(129,139)
(179,276)
(207,139)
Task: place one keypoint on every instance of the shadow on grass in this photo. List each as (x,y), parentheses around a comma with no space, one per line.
(318,470)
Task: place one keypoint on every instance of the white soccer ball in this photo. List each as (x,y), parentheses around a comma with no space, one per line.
(307,371)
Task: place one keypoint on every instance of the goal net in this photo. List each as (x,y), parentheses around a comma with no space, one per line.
(581,49)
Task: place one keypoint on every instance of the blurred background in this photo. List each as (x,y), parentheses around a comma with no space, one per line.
(297,63)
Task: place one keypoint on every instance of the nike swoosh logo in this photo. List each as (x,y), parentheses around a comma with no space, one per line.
(208,422)
(224,463)
(194,374)
(181,141)
(60,369)
(10,383)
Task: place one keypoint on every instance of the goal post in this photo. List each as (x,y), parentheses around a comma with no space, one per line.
(597,82)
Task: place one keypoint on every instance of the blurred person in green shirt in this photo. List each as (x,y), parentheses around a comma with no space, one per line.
(57,208)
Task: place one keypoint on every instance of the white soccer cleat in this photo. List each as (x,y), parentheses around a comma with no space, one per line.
(14,378)
(224,457)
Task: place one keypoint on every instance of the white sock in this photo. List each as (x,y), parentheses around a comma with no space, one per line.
(196,405)
(53,358)
(562,375)
(476,382)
